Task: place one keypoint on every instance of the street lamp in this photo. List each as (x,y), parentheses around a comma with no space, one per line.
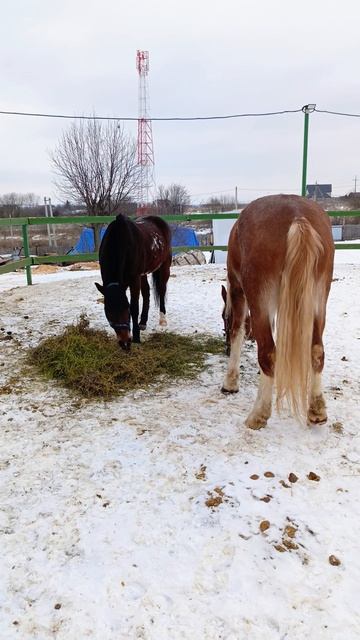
(308,108)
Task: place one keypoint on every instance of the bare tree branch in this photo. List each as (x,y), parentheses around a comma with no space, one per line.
(172,199)
(95,163)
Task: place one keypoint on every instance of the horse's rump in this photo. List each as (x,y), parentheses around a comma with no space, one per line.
(155,240)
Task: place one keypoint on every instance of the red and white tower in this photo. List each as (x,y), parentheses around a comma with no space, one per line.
(145,146)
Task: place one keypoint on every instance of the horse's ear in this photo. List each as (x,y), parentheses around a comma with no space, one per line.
(99,288)
(223,293)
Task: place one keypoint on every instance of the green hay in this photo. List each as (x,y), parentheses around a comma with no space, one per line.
(90,362)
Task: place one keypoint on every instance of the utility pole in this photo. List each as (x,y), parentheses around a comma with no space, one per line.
(50,229)
(47,226)
(308,108)
(355,181)
(52,226)
(236,199)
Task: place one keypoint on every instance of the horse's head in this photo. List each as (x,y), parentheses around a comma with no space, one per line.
(226,316)
(117,312)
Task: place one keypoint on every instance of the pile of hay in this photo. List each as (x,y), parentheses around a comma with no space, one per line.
(90,362)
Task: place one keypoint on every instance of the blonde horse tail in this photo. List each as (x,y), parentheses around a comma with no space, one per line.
(295,317)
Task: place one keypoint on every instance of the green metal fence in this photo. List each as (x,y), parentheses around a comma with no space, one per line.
(28,261)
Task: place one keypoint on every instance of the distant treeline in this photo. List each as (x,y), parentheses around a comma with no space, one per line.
(18,205)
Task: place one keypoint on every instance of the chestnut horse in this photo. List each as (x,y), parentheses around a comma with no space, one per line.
(280,265)
(129,250)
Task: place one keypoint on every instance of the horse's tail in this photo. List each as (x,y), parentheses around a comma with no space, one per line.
(295,317)
(156,278)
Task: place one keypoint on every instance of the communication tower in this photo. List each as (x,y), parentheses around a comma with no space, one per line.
(145,147)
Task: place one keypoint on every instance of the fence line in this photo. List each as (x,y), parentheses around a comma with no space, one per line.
(28,261)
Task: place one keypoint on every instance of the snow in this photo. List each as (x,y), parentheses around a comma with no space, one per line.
(103,519)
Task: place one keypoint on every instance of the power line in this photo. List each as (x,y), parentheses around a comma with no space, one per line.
(263,189)
(338,113)
(175,118)
(124,118)
(208,193)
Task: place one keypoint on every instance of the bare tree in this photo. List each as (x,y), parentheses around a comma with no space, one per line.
(223,203)
(172,199)
(15,205)
(11,204)
(95,164)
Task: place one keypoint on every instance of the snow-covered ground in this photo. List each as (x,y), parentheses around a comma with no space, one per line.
(140,518)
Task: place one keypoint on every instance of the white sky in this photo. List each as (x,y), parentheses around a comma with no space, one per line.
(206,58)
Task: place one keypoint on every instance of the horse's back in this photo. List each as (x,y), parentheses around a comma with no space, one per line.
(267,220)
(155,223)
(259,239)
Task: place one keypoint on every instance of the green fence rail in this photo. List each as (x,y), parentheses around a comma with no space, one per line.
(28,261)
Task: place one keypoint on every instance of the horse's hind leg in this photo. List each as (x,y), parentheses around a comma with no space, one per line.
(261,411)
(237,334)
(145,292)
(317,408)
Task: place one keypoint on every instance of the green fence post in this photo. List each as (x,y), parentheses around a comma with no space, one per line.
(26,251)
(308,108)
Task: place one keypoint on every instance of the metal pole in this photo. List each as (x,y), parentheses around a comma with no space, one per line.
(53,232)
(236,199)
(308,108)
(47,226)
(11,234)
(26,251)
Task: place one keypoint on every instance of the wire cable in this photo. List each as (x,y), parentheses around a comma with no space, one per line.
(124,118)
(338,113)
(175,118)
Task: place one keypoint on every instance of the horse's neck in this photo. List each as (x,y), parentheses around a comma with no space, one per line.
(122,257)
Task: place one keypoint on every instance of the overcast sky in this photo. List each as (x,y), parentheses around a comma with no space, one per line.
(77,57)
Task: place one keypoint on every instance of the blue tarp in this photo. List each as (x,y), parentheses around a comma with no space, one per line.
(86,243)
(181,237)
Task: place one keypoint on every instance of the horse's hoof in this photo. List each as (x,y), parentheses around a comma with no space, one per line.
(125,346)
(225,391)
(317,420)
(255,423)
(317,411)
(162,320)
(142,327)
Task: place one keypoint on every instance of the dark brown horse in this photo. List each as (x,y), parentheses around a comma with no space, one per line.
(128,252)
(280,264)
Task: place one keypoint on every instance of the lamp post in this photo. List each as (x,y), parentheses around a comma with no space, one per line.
(308,108)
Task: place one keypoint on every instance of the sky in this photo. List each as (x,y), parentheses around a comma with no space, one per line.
(207,58)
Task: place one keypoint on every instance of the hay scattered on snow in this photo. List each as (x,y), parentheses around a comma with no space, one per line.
(84,266)
(46,268)
(91,363)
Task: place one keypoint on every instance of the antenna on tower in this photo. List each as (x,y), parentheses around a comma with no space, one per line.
(145,148)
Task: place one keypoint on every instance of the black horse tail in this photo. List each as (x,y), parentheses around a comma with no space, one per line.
(156,278)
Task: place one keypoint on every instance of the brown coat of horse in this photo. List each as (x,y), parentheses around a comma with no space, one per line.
(280,265)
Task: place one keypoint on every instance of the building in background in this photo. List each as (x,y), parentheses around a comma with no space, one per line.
(318,191)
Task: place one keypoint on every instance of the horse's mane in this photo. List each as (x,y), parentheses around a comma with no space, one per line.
(117,245)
